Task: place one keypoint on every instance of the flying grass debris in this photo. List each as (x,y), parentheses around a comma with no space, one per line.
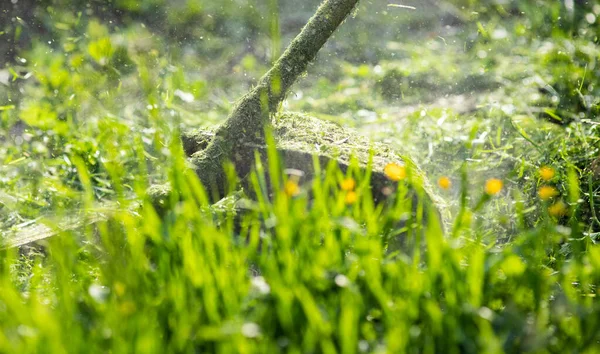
(402,6)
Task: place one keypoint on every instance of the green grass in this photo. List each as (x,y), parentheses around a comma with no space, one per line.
(91,120)
(310,277)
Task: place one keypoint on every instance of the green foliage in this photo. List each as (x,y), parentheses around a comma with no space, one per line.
(557,19)
(92,112)
(313,277)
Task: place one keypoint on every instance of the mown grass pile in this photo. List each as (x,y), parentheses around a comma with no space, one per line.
(500,111)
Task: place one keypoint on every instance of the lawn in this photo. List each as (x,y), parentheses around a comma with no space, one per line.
(493,107)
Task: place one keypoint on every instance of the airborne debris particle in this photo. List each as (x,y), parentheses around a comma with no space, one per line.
(402,6)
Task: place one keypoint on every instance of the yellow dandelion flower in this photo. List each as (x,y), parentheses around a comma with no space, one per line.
(547,192)
(348,184)
(547,173)
(444,182)
(351,197)
(395,172)
(493,186)
(291,188)
(558,209)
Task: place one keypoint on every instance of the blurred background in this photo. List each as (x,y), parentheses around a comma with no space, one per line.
(489,83)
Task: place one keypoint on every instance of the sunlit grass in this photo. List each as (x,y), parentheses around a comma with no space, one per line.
(315,266)
(296,274)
